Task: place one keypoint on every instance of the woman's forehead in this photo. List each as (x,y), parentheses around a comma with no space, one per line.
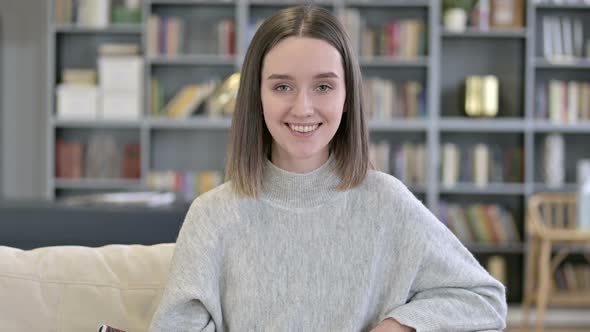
(302,56)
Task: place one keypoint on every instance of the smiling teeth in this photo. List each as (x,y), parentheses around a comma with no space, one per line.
(303,129)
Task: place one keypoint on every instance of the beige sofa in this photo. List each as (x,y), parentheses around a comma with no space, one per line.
(73,288)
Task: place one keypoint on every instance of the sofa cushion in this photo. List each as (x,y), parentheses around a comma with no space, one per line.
(73,288)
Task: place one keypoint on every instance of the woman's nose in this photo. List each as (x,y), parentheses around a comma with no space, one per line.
(303,105)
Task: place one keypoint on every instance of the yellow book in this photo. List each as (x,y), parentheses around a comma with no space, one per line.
(473,88)
(497,268)
(490,87)
(181,103)
(155,96)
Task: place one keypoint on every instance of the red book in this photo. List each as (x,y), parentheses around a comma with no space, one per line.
(132,161)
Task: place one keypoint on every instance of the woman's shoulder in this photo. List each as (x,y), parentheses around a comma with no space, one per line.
(215,203)
(383,183)
(220,198)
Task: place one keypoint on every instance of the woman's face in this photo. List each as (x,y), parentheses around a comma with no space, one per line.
(303,92)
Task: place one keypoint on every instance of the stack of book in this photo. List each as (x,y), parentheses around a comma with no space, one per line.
(563,102)
(78,96)
(120,69)
(385,99)
(479,223)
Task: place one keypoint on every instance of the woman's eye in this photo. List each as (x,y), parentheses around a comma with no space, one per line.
(324,88)
(282,88)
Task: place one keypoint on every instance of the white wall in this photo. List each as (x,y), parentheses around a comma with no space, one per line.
(23,98)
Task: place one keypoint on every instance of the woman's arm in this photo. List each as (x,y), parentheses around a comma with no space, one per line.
(189,301)
(450,291)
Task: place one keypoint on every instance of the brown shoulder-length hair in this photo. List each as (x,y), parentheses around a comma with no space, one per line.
(250,141)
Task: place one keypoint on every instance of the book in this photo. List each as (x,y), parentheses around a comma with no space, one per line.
(69,160)
(79,76)
(188,99)
(481,165)
(103,158)
(118,49)
(496,266)
(131,167)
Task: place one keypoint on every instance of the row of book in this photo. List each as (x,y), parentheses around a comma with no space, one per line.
(404,38)
(117,94)
(167,36)
(481,164)
(573,277)
(102,157)
(406,161)
(386,99)
(563,102)
(563,38)
(479,223)
(187,184)
(97,13)
(189,100)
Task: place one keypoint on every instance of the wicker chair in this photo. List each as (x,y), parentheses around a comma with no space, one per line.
(551,227)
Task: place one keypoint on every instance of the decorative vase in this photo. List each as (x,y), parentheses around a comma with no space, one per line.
(455,19)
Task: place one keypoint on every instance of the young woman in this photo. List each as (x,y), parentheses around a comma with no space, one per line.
(306,236)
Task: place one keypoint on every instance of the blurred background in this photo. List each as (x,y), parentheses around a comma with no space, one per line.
(117,113)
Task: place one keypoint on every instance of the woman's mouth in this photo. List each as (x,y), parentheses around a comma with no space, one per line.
(303,129)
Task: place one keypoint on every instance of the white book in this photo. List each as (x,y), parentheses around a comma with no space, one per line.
(566,33)
(450,169)
(547,44)
(383,156)
(557,41)
(481,165)
(120,73)
(572,102)
(578,38)
(153,35)
(585,101)
(373,155)
(421,163)
(121,106)
(77,102)
(554,160)
(555,101)
(388,98)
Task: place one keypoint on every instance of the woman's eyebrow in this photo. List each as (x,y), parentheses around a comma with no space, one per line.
(329,74)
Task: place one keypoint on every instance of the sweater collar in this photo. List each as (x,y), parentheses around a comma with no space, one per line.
(300,190)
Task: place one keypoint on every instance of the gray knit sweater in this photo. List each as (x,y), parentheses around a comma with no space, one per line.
(306,257)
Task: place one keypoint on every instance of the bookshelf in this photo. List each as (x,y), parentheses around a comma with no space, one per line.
(446,59)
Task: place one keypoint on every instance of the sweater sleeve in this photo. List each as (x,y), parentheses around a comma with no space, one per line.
(190,301)
(450,291)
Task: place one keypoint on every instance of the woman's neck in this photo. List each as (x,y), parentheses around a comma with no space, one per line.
(298,165)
